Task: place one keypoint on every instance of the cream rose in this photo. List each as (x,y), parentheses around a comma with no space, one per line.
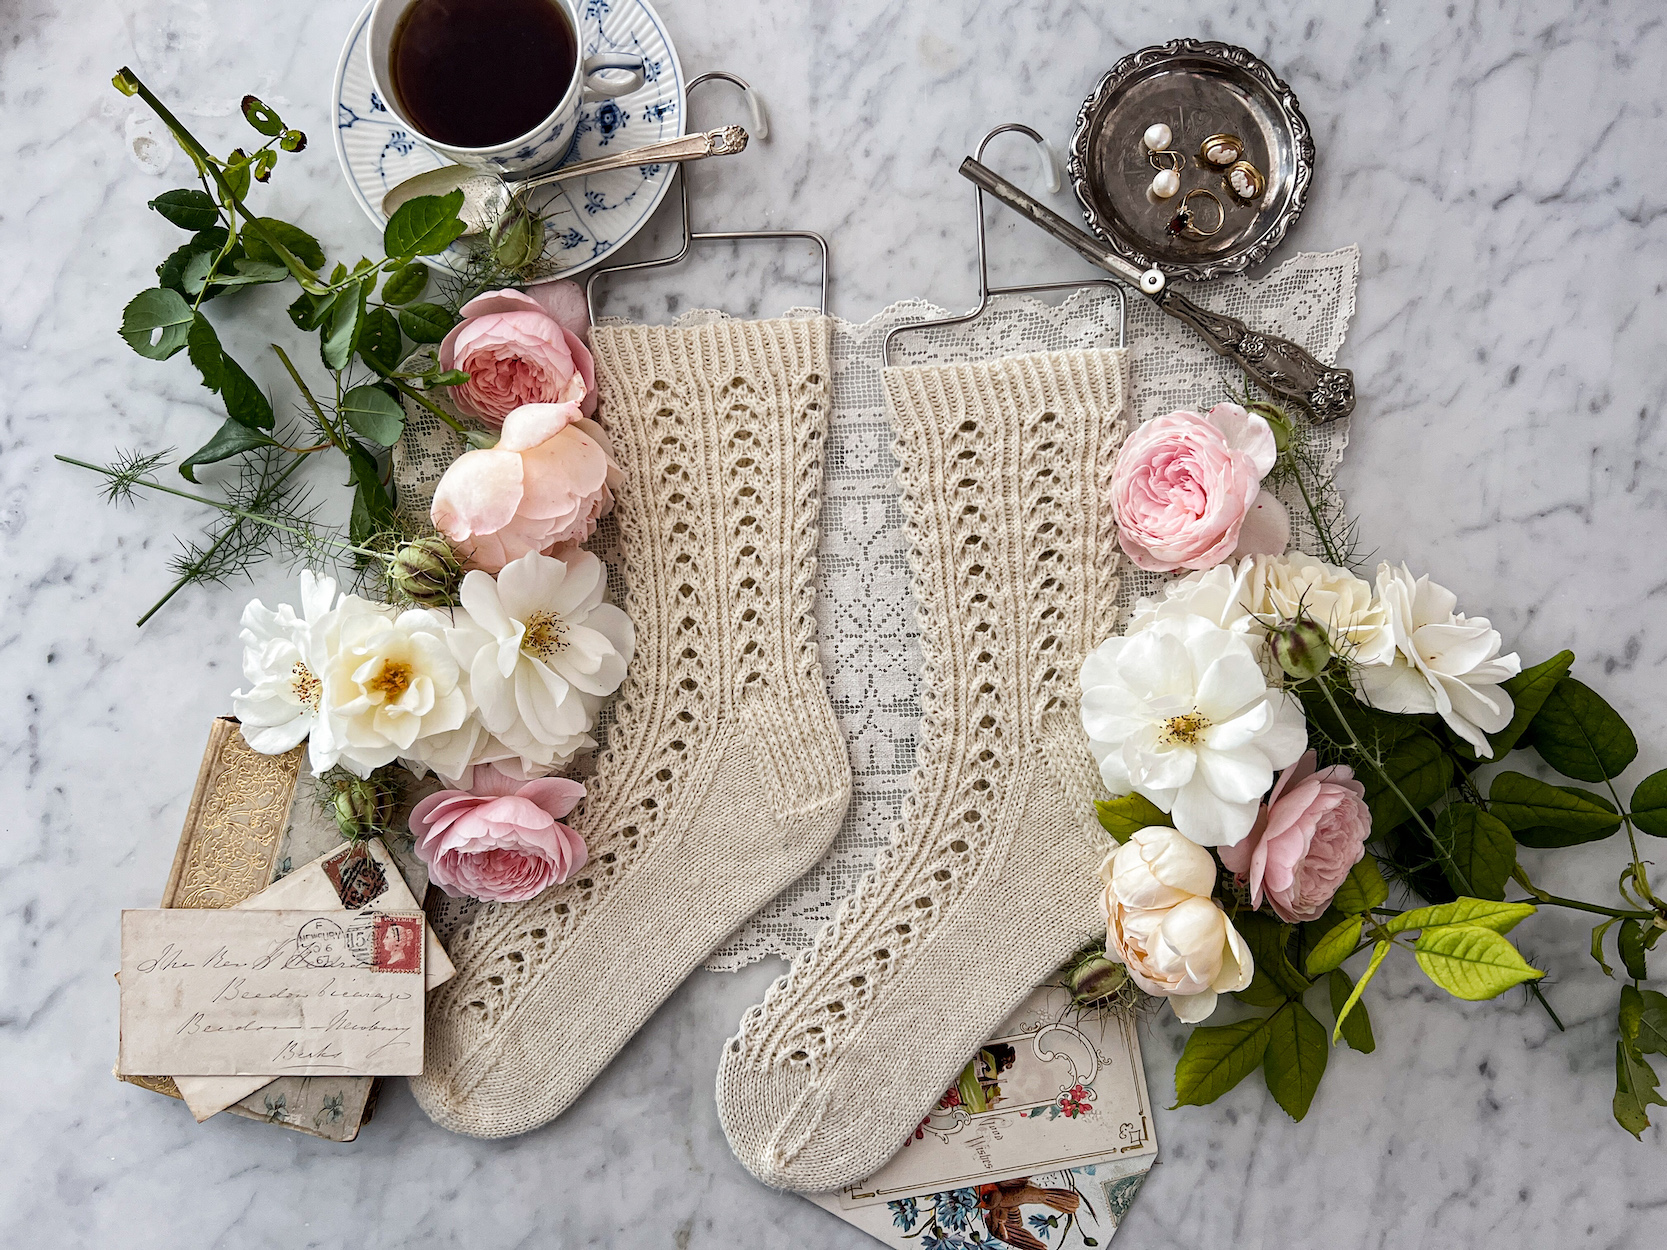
(1162,924)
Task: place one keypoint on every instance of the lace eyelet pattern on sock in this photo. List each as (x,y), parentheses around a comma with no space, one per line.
(725,776)
(987,884)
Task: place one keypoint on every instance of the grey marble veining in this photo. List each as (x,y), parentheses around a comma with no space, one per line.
(1499,164)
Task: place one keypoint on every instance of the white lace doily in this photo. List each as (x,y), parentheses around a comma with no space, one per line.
(865,614)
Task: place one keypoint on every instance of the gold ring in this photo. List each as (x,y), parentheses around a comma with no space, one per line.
(1185,223)
(1220,151)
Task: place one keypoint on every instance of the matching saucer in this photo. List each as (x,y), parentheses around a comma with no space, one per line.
(585,221)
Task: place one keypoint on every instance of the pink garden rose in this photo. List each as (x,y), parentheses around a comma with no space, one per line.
(520,348)
(547,481)
(1187,491)
(1310,832)
(501,840)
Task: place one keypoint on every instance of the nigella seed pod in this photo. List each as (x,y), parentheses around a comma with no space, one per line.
(427,572)
(1095,979)
(518,236)
(360,807)
(1301,648)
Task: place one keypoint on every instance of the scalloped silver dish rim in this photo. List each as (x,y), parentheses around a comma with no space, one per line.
(1238,58)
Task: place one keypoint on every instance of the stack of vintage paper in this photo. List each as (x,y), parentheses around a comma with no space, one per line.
(283,1003)
(1042,1144)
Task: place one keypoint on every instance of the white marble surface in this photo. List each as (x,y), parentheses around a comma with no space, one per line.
(1500,166)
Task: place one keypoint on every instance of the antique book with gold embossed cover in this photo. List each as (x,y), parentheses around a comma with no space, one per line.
(251,822)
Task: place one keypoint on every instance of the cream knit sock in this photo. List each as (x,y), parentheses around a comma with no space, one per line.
(726,774)
(988,883)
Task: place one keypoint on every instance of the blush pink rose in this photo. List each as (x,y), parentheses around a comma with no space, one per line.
(1187,491)
(544,485)
(1310,832)
(501,840)
(520,348)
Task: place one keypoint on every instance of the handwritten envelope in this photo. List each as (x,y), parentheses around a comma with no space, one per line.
(272,993)
(348,876)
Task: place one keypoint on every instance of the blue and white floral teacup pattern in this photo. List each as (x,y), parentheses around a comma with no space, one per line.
(602,76)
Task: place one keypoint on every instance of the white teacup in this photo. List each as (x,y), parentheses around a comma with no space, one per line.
(541,148)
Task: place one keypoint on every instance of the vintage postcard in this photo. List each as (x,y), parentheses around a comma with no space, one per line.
(274,993)
(350,876)
(1042,1141)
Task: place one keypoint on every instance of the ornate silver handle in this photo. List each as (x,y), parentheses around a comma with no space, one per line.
(724,142)
(1277,365)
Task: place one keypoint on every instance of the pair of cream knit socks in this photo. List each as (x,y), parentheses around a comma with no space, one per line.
(726,775)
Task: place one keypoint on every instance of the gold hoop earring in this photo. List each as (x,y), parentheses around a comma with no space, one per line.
(1185,220)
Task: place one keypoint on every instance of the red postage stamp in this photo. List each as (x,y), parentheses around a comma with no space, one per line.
(397,945)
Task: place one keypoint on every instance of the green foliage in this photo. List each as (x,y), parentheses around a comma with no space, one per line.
(1269,940)
(1483,913)
(1475,850)
(1630,943)
(1649,805)
(425,323)
(1337,945)
(1218,1057)
(1580,735)
(1642,1019)
(261,117)
(1362,890)
(339,326)
(233,438)
(373,414)
(155,323)
(1127,815)
(1415,772)
(405,283)
(300,244)
(187,208)
(1352,1001)
(380,344)
(1295,1058)
(1543,815)
(1528,691)
(423,226)
(1471,962)
(1356,1027)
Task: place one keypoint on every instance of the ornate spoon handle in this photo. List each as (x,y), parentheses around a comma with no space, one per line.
(1277,365)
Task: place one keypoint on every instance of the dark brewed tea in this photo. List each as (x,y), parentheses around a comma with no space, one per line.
(476,73)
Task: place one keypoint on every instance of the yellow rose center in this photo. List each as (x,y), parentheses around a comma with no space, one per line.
(1183,730)
(546,635)
(393,680)
(305,685)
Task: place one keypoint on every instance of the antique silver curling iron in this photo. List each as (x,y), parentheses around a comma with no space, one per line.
(1277,365)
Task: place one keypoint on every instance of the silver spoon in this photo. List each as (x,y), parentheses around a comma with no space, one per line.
(485,196)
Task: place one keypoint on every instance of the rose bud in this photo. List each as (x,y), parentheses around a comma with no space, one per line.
(427,572)
(1300,647)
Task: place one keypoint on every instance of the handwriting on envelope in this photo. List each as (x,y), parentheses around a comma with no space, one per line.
(271,993)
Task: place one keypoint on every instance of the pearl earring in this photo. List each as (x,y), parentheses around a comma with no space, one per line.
(1167,181)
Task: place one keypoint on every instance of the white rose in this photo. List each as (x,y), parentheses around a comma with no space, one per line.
(541,651)
(1443,661)
(389,682)
(1162,924)
(1221,595)
(1278,587)
(283,655)
(1182,714)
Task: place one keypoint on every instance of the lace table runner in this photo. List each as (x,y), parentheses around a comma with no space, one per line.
(865,613)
